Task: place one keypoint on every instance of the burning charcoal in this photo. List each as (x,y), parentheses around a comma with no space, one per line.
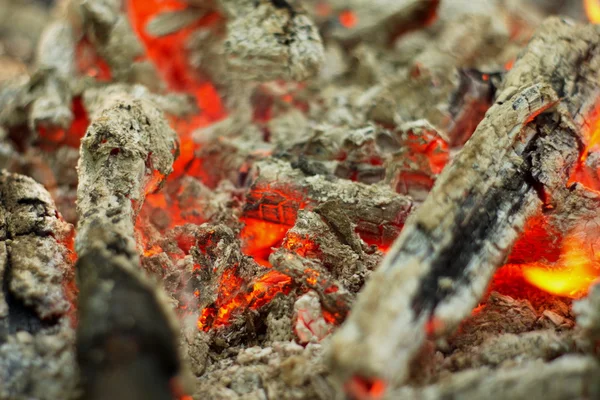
(328,236)
(108,29)
(450,246)
(423,153)
(36,337)
(279,191)
(126,152)
(428,80)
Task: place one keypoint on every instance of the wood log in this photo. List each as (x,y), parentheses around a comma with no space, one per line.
(36,275)
(127,336)
(518,161)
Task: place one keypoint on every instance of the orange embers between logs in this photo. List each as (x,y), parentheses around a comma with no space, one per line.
(545,259)
(234,297)
(50,138)
(584,173)
(168,53)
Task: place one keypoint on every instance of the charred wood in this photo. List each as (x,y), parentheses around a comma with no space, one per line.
(36,276)
(126,332)
(449,248)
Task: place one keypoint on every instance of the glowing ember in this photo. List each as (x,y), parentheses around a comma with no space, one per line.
(90,63)
(233,299)
(260,236)
(51,138)
(592,132)
(576,269)
(592,10)
(583,173)
(348,19)
(365,389)
(300,245)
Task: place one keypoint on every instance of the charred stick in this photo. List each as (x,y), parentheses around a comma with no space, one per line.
(36,271)
(126,339)
(440,265)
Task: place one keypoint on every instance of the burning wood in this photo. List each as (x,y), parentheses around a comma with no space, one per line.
(440,265)
(306,136)
(126,153)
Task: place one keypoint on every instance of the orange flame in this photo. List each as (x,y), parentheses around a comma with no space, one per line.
(592,10)
(232,300)
(573,273)
(592,131)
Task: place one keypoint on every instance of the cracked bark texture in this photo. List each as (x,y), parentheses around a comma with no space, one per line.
(36,273)
(127,337)
(517,161)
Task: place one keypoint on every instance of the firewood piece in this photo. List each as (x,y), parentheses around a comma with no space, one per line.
(568,377)
(125,333)
(449,248)
(108,28)
(36,338)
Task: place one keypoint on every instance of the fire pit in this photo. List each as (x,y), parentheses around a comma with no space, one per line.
(277,199)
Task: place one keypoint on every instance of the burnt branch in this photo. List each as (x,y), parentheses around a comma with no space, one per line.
(439,267)
(126,332)
(36,271)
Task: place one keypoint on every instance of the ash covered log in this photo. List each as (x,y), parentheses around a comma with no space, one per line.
(42,102)
(518,161)
(570,377)
(36,276)
(126,338)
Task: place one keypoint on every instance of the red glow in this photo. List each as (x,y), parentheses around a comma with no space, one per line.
(360,388)
(260,236)
(509,65)
(234,297)
(90,63)
(583,173)
(300,245)
(544,258)
(52,137)
(432,146)
(170,57)
(348,19)
(573,273)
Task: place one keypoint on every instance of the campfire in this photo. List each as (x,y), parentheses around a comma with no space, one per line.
(284,199)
